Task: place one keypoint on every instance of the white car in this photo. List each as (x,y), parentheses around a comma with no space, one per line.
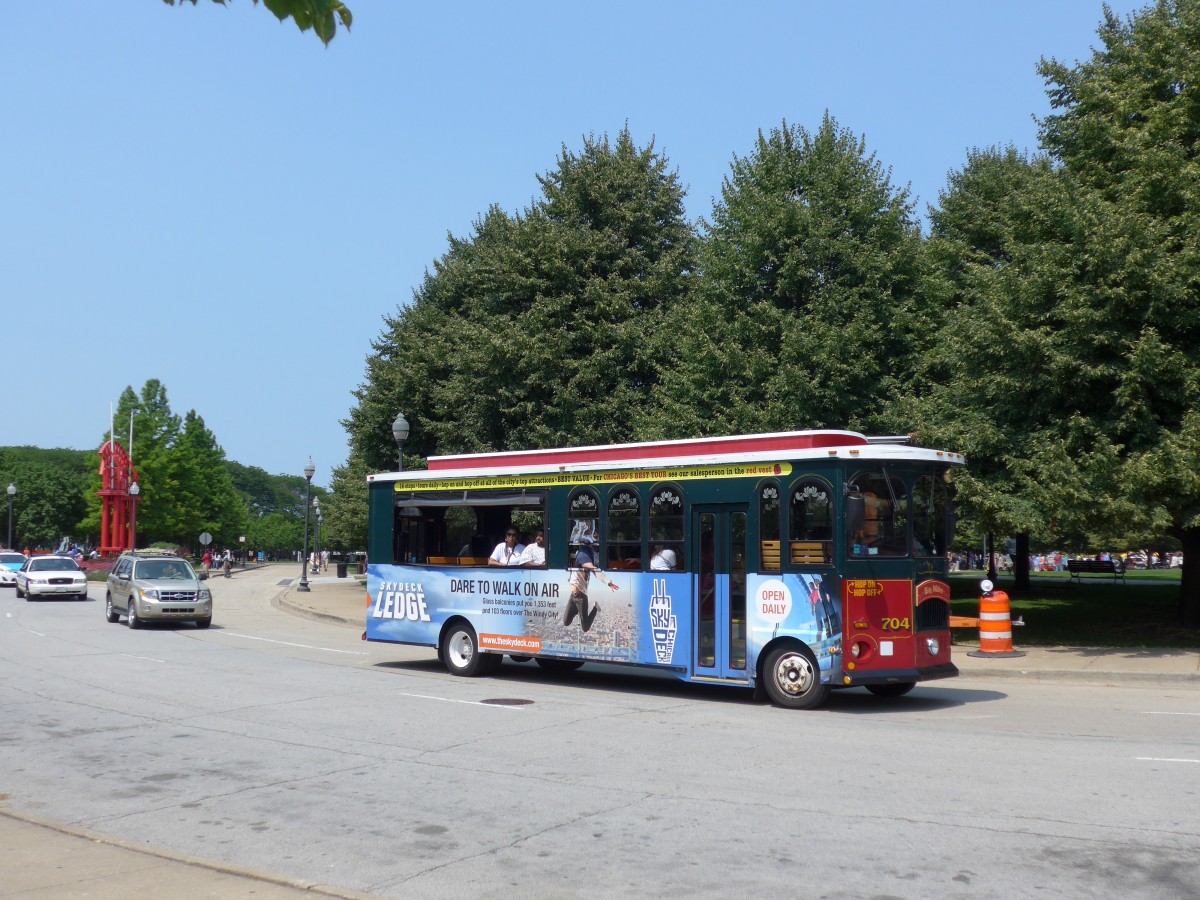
(10,561)
(51,576)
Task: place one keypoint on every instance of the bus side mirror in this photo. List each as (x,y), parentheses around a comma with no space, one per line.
(856,513)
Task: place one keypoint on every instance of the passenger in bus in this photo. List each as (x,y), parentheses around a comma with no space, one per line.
(663,559)
(535,553)
(508,551)
(585,567)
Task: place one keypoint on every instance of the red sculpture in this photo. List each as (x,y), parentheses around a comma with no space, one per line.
(118,511)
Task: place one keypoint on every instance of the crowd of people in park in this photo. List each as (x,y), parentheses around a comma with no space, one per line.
(1056,561)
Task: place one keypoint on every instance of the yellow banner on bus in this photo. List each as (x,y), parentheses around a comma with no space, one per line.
(559,479)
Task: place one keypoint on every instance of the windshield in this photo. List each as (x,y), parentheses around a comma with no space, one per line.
(53,565)
(9,559)
(164,570)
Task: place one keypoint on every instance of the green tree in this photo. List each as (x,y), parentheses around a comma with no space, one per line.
(275,532)
(186,486)
(808,304)
(1000,381)
(49,502)
(322,16)
(207,495)
(540,328)
(1126,132)
(346,507)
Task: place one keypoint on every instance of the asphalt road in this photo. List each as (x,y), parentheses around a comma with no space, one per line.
(277,743)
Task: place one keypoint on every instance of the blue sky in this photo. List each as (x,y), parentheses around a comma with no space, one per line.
(205,196)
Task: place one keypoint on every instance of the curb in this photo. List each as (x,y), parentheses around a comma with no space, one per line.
(283,602)
(1098,676)
(96,837)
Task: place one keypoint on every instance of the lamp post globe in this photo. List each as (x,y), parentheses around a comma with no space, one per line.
(12,492)
(400,434)
(309,471)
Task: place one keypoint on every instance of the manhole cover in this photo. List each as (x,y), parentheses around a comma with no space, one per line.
(506,701)
(286,582)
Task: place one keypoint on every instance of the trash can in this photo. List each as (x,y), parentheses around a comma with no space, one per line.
(341,570)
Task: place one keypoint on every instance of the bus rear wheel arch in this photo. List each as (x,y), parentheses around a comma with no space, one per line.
(460,653)
(792,677)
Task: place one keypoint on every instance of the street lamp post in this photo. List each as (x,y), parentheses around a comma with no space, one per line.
(400,433)
(309,471)
(12,492)
(134,490)
(317,543)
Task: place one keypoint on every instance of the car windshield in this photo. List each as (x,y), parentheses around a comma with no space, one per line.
(163,570)
(53,565)
(12,558)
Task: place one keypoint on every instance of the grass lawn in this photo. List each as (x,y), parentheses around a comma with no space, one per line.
(1094,613)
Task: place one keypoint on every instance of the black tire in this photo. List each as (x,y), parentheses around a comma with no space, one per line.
(461,654)
(204,623)
(793,679)
(131,616)
(560,666)
(17,588)
(110,612)
(891,690)
(519,658)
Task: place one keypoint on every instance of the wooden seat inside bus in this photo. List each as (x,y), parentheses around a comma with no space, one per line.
(770,556)
(442,560)
(811,553)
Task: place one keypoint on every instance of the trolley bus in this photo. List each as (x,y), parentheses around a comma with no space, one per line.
(794,562)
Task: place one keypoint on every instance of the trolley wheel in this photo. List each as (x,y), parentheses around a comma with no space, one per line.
(559,666)
(891,690)
(109,613)
(793,679)
(461,654)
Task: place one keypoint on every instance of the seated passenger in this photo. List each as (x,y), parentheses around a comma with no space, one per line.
(508,551)
(663,560)
(535,553)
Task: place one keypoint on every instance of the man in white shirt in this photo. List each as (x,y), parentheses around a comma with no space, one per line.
(535,553)
(508,551)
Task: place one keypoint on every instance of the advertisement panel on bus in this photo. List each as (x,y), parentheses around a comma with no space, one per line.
(645,618)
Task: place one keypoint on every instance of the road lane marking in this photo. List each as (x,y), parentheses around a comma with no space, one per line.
(1154,712)
(251,637)
(147,658)
(1163,759)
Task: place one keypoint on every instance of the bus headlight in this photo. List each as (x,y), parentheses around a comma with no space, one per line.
(933,645)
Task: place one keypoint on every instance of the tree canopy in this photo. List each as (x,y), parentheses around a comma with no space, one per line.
(322,16)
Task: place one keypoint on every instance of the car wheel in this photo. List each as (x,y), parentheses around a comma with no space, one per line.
(204,623)
(17,588)
(793,679)
(131,616)
(109,612)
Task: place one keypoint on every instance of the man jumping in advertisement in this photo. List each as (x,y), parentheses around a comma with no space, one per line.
(585,567)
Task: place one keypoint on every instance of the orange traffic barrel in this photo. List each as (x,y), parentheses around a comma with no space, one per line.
(995,626)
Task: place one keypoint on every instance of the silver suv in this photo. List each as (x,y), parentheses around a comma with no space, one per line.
(148,586)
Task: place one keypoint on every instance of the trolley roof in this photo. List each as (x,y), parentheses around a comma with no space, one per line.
(750,448)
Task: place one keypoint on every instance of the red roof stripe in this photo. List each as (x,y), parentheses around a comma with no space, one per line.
(783,444)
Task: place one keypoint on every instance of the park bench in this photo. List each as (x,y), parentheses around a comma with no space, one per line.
(1080,567)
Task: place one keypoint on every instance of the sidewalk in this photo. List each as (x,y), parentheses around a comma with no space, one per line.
(343,601)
